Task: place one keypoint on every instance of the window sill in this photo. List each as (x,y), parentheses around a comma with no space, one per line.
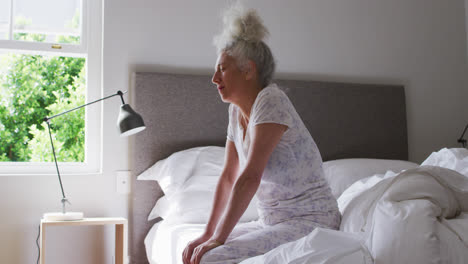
(46,169)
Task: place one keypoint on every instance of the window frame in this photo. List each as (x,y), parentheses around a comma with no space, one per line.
(91,17)
(25,46)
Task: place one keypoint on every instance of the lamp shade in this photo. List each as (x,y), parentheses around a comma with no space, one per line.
(129,121)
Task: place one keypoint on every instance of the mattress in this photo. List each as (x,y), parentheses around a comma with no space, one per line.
(166,241)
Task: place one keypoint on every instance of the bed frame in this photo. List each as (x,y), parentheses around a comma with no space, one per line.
(182,111)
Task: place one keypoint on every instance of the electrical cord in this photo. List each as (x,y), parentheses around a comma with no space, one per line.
(37,243)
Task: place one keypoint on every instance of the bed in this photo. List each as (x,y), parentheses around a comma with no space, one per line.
(360,130)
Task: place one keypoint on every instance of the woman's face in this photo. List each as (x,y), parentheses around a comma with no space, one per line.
(229,79)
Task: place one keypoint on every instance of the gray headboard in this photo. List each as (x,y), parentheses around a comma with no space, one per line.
(184,111)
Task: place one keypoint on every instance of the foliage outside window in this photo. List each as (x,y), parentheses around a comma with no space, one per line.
(31,88)
(34,85)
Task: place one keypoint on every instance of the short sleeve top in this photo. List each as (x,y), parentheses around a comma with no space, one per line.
(293,182)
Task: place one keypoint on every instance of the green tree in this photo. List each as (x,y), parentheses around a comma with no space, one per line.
(30,85)
(68,130)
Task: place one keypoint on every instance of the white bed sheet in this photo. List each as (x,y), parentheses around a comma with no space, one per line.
(166,241)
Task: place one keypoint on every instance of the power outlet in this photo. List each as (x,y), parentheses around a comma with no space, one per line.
(123,182)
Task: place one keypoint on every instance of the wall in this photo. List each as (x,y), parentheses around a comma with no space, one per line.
(420,44)
(466,71)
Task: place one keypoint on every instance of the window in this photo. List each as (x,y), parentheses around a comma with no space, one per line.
(47,66)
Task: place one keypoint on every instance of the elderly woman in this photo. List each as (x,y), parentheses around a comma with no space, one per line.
(269,153)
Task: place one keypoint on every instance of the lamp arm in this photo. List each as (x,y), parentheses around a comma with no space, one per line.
(55,159)
(461,140)
(46,119)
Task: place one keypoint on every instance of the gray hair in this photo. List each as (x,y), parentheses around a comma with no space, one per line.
(242,38)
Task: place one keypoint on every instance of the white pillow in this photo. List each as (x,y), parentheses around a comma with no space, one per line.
(342,173)
(193,206)
(455,159)
(188,179)
(192,203)
(171,173)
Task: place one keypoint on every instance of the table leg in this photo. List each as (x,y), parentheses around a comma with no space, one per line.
(42,244)
(119,244)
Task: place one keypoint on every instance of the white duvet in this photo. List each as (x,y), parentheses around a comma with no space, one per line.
(409,217)
(397,218)
(416,216)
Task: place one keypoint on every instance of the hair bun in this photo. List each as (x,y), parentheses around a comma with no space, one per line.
(241,24)
(246,25)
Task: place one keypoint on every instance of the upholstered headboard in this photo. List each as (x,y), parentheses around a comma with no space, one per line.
(183,111)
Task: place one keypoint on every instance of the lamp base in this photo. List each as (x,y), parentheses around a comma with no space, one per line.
(68,216)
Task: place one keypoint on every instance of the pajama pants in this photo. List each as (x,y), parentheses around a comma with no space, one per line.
(256,238)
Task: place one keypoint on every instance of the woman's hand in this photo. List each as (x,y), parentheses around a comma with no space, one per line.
(188,251)
(199,251)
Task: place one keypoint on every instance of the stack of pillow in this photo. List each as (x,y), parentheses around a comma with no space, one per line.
(188,179)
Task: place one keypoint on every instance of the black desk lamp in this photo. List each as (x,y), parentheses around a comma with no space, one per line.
(461,139)
(129,123)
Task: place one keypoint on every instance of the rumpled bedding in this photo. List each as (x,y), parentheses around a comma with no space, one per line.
(416,216)
(400,217)
(321,246)
(419,215)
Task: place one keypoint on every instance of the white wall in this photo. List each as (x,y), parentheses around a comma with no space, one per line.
(466,72)
(419,43)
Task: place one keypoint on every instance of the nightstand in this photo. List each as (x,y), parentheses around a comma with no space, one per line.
(121,234)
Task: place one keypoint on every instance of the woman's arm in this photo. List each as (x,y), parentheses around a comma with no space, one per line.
(264,141)
(222,193)
(224,187)
(265,138)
